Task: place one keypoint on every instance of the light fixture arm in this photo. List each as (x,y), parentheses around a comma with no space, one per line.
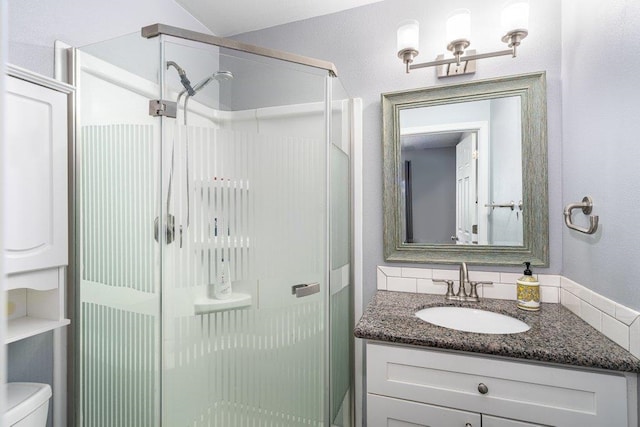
(457,47)
(462,58)
(407,56)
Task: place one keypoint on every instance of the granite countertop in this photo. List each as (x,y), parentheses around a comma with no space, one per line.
(556,335)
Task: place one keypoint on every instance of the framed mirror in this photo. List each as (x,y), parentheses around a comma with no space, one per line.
(465,173)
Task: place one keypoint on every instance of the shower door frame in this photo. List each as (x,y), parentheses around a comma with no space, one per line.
(156,30)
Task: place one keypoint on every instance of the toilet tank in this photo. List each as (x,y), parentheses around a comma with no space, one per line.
(27,404)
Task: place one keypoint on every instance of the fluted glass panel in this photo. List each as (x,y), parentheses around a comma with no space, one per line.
(119,286)
(256,202)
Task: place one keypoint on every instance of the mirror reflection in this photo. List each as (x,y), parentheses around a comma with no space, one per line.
(461,173)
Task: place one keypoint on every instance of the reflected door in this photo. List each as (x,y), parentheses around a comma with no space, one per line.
(466,190)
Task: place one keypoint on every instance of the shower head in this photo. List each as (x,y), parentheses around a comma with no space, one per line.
(223,75)
(218,75)
(183,77)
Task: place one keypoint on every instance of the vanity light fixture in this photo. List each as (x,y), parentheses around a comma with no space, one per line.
(514,20)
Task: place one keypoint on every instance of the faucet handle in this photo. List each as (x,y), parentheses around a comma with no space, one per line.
(474,288)
(449,286)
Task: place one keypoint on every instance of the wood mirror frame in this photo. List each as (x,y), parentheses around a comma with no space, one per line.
(535,249)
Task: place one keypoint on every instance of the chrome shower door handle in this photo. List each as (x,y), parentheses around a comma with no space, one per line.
(305,289)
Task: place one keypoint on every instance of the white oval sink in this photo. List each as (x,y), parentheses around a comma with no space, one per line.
(472,320)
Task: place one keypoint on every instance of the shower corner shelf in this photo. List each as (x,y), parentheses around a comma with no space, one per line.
(234,302)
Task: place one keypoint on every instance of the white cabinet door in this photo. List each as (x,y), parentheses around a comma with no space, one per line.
(489,421)
(36,177)
(388,412)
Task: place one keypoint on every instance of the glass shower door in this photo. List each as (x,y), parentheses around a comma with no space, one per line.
(245,199)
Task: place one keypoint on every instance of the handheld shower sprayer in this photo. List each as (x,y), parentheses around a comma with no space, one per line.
(191,91)
(183,77)
(218,76)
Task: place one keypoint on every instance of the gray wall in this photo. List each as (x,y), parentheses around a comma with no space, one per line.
(362,44)
(35,24)
(601,124)
(31,360)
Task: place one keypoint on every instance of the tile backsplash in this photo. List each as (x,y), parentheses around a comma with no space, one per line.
(617,322)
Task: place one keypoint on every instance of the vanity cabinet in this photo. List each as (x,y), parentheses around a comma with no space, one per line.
(412,386)
(36,232)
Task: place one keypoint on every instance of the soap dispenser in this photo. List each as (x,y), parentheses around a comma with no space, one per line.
(528,291)
(222,286)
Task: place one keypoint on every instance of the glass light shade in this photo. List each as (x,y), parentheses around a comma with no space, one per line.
(515,16)
(459,25)
(408,35)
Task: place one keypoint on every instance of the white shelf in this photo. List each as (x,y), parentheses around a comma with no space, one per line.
(235,301)
(24,327)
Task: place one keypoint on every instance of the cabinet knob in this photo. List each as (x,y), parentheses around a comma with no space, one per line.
(468,425)
(483,389)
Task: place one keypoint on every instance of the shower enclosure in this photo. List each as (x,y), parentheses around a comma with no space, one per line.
(201,163)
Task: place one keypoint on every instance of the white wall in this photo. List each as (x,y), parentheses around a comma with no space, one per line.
(600,149)
(362,44)
(35,24)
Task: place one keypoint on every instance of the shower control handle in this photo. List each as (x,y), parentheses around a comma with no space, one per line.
(305,289)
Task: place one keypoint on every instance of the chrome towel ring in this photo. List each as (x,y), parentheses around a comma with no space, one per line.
(586,205)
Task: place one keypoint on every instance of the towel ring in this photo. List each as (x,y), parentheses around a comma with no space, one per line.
(587,206)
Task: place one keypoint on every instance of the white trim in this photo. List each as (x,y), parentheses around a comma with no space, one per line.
(358,296)
(39,79)
(3,295)
(61,61)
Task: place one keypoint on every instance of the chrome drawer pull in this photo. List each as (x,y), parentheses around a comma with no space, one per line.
(483,389)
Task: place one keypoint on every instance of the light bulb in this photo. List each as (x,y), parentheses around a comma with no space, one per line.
(459,25)
(408,35)
(515,16)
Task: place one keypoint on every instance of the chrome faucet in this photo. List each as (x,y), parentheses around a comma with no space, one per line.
(464,278)
(462,294)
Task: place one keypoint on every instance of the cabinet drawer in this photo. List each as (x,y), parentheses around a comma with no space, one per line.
(389,412)
(519,390)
